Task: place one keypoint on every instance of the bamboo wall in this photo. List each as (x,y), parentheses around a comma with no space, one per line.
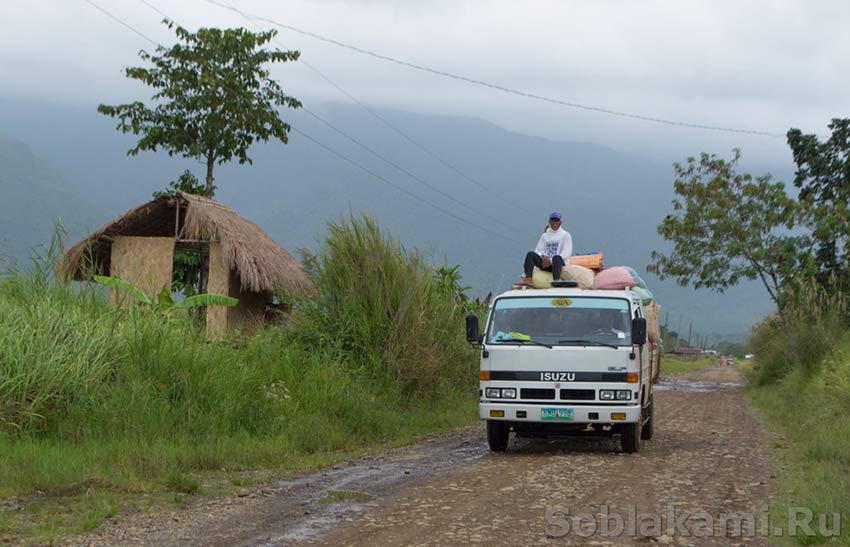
(247,315)
(146,262)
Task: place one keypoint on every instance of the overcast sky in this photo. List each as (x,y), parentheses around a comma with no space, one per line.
(764,66)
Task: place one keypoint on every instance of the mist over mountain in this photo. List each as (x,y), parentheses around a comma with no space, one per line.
(33,197)
(70,162)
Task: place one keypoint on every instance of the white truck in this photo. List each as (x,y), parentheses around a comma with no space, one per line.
(565,361)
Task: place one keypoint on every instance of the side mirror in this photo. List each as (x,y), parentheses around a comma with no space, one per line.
(639,331)
(472,335)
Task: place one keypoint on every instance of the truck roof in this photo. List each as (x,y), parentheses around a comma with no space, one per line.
(565,291)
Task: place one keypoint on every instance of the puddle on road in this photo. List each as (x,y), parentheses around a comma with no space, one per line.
(667,383)
(373,478)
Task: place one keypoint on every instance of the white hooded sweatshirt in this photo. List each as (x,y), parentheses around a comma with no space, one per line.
(555,242)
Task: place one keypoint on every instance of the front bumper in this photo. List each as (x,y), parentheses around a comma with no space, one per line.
(581,413)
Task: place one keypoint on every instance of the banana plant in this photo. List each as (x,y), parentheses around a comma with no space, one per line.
(164,301)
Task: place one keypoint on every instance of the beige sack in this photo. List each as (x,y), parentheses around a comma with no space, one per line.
(655,358)
(541,279)
(652,311)
(581,275)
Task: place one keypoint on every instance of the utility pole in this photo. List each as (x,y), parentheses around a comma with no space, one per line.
(679,331)
(690,332)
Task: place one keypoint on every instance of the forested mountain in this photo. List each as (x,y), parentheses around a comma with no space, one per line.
(611,201)
(33,196)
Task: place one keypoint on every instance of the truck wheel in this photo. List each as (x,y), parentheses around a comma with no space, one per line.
(630,437)
(647,431)
(497,435)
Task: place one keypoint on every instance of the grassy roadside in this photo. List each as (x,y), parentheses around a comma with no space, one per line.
(105,409)
(671,365)
(808,417)
(800,386)
(51,488)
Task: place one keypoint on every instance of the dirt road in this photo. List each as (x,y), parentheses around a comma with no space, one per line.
(708,455)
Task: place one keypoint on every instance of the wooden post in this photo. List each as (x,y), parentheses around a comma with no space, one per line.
(176,219)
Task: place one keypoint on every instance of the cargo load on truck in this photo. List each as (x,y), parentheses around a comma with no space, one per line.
(588,272)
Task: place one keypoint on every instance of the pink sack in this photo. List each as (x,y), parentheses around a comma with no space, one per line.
(614,278)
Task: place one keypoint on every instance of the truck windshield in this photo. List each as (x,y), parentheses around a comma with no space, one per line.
(572,321)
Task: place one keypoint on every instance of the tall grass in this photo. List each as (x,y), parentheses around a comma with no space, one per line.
(384,306)
(814,323)
(801,388)
(130,398)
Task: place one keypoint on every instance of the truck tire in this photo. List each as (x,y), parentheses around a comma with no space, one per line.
(630,437)
(647,431)
(498,434)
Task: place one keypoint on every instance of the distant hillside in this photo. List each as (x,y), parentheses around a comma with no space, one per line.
(34,196)
(611,201)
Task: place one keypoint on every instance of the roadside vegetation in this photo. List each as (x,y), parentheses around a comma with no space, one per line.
(102,406)
(800,384)
(726,226)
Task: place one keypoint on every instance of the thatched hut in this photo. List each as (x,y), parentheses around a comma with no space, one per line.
(244,262)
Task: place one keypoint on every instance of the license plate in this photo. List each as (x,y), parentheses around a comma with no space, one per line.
(565,414)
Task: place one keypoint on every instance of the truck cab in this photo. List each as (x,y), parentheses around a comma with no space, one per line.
(565,361)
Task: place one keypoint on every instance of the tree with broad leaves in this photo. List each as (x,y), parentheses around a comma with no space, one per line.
(214,97)
(823,177)
(727,226)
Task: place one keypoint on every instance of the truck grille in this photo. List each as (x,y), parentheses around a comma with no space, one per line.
(536,393)
(578,394)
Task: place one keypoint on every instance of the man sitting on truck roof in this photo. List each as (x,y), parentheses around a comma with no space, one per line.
(552,252)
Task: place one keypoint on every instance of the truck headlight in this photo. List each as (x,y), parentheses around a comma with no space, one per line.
(624,394)
(500,393)
(606,394)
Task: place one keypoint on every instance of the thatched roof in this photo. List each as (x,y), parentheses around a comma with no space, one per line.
(260,264)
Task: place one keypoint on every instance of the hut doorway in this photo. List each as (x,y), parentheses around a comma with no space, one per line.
(186,272)
(190,273)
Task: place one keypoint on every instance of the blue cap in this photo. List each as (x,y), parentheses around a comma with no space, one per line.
(555,216)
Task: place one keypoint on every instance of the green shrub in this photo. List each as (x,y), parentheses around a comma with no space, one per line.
(814,323)
(387,308)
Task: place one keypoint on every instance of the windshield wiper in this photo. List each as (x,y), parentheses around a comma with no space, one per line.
(528,340)
(537,343)
(587,342)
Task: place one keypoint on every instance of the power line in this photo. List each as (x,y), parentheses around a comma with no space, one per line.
(367,148)
(120,22)
(328,148)
(505,199)
(403,170)
(374,152)
(397,187)
(503,88)
(156,9)
(422,147)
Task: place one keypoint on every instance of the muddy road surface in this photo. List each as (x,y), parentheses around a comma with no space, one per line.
(705,469)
